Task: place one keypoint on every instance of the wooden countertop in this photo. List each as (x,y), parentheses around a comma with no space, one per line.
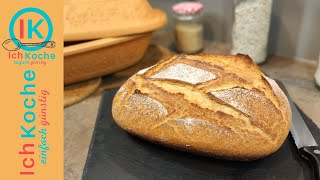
(297,76)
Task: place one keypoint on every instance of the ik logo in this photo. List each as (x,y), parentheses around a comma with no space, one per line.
(30,29)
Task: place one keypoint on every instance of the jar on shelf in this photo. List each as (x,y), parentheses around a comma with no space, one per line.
(188,27)
(251,28)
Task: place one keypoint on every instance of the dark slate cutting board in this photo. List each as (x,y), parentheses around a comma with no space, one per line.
(114,154)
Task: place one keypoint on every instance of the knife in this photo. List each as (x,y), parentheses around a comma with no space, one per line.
(305,142)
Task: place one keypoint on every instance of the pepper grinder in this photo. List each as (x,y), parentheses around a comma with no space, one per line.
(317,74)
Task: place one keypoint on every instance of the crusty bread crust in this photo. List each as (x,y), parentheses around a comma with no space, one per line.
(215,105)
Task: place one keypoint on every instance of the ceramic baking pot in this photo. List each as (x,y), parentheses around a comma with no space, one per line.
(95,19)
(91,59)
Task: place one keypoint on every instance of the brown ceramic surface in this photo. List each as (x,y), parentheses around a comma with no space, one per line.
(94,19)
(101,57)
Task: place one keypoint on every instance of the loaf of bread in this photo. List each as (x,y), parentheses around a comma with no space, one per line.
(216,105)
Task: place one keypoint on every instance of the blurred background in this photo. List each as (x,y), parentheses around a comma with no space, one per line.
(293,32)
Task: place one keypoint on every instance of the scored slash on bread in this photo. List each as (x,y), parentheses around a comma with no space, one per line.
(215,105)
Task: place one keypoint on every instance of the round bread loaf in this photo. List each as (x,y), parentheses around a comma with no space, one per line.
(215,105)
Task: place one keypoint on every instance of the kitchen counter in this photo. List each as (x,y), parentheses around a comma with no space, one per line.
(297,76)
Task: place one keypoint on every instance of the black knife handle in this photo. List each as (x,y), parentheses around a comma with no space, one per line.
(312,154)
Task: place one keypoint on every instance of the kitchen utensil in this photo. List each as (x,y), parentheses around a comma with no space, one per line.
(304,140)
(15,44)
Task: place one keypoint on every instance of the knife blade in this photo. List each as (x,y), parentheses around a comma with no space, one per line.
(299,130)
(305,142)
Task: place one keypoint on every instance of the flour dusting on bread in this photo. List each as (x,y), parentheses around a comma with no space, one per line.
(147,105)
(238,98)
(276,89)
(186,73)
(189,123)
(192,123)
(142,71)
(123,93)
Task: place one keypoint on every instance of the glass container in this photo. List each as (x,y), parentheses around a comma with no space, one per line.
(251,28)
(188,27)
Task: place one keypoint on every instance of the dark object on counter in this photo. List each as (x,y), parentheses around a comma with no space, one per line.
(312,154)
(304,140)
(114,154)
